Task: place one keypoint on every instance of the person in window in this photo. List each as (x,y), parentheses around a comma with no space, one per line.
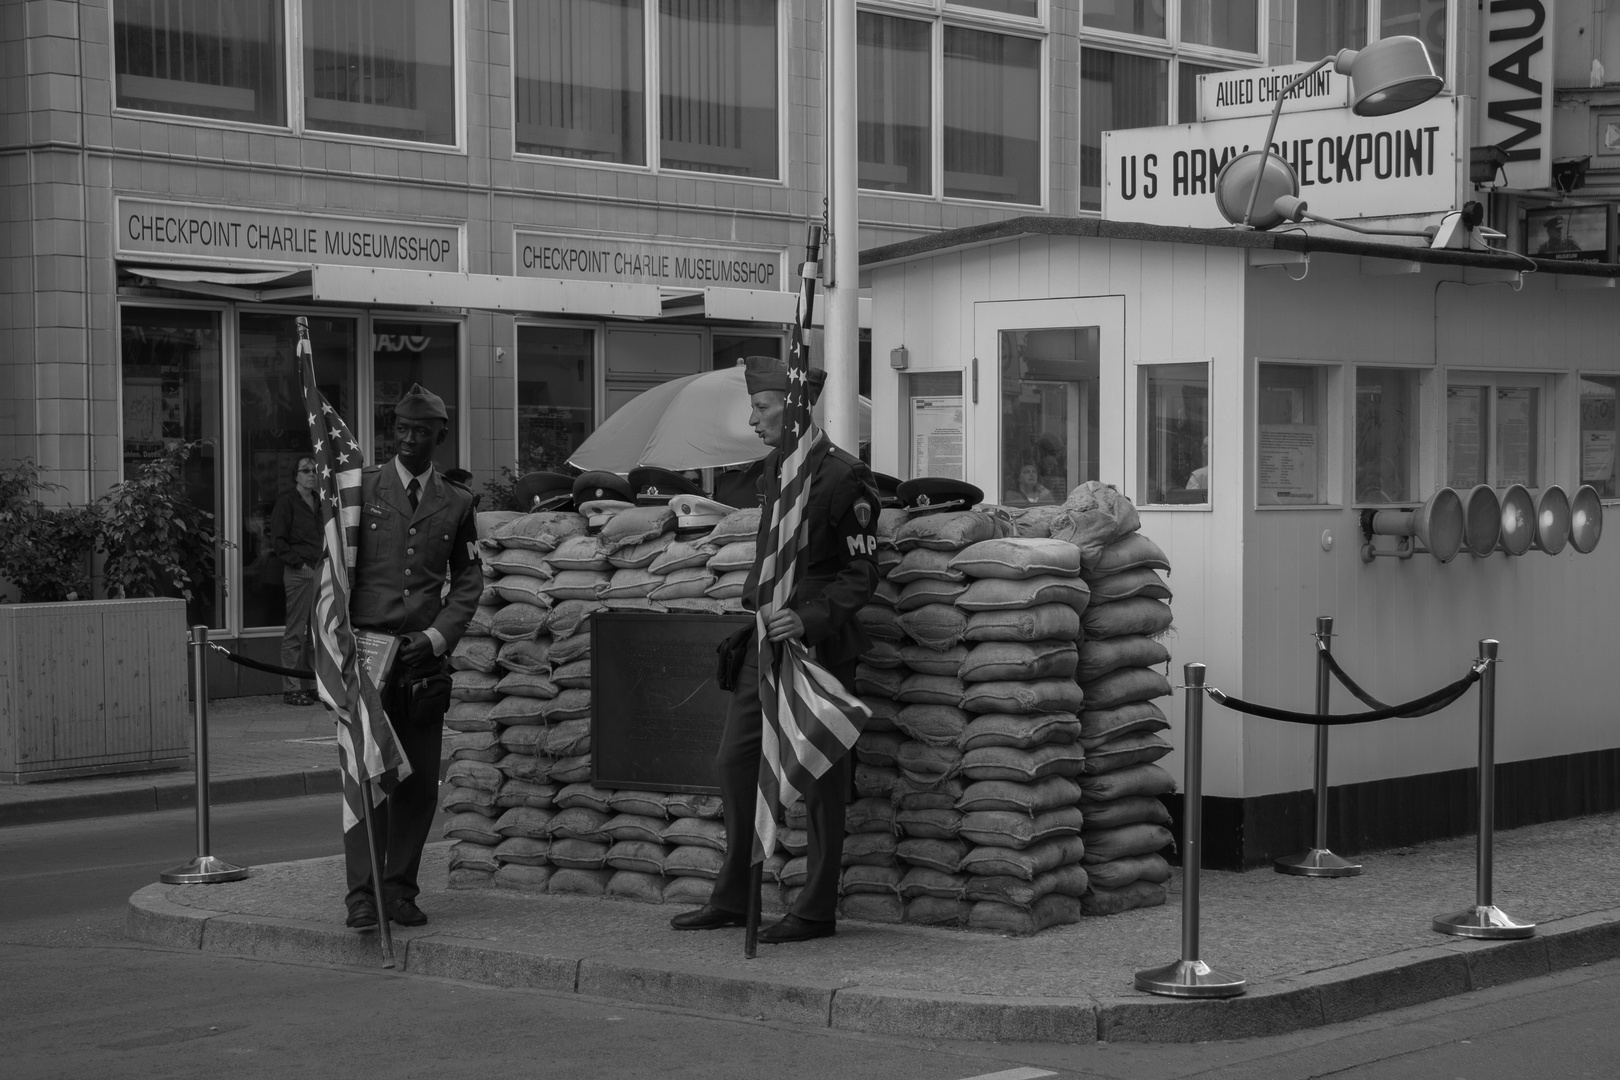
(295,538)
(1199,478)
(1556,240)
(1029,491)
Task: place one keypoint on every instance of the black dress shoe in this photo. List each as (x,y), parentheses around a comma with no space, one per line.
(362,916)
(406,913)
(707,918)
(793,928)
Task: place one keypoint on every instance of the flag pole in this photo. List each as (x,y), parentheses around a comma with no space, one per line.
(386,936)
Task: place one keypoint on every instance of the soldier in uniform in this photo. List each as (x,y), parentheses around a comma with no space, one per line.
(416,532)
(839,576)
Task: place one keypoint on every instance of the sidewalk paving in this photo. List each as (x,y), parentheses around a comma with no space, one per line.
(258,748)
(1315,951)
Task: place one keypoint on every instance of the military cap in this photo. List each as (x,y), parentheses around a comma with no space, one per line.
(1558,221)
(599,495)
(653,485)
(888,488)
(545,491)
(770,373)
(933,494)
(697,512)
(421,404)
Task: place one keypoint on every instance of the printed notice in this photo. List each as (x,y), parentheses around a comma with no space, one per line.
(1597,458)
(1465,468)
(1288,464)
(936,436)
(1515,408)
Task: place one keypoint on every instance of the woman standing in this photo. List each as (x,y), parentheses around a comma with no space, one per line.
(295,537)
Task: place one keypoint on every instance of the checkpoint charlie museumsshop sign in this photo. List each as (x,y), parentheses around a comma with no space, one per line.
(630,261)
(1349,166)
(243,234)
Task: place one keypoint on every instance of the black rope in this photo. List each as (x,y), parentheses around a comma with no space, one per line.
(1349,683)
(237,658)
(1417,707)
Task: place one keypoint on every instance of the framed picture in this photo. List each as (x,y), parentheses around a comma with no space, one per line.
(1575,233)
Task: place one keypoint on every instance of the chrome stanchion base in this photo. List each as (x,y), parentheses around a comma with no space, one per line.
(1190,979)
(1483,922)
(1317,862)
(203,870)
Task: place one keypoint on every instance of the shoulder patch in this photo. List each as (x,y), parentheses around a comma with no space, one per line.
(863,512)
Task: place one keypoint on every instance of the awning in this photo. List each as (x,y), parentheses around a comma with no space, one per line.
(752,305)
(484,292)
(292,283)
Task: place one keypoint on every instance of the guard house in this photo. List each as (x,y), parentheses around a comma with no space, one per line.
(1254,393)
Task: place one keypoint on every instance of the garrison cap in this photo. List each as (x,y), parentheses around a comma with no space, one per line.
(933,494)
(770,373)
(545,491)
(888,489)
(421,404)
(653,485)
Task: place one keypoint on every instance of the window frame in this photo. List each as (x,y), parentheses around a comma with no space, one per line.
(1547,420)
(1375,27)
(1331,425)
(1581,374)
(1138,465)
(1427,459)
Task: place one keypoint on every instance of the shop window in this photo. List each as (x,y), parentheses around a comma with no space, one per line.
(220,59)
(1598,433)
(556,395)
(1049,398)
(1324,27)
(1117,91)
(934,423)
(406,353)
(384,68)
(1494,431)
(1386,436)
(170,382)
(1174,425)
(992,116)
(717,96)
(273,435)
(1291,435)
(580,86)
(895,99)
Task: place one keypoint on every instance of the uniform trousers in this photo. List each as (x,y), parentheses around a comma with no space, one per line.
(739,790)
(401,823)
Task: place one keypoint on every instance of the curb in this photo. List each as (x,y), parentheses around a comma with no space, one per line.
(176,794)
(1330,996)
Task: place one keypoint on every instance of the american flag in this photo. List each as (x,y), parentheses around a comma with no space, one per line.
(367,748)
(810,720)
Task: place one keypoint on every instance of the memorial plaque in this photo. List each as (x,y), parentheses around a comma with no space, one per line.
(657,714)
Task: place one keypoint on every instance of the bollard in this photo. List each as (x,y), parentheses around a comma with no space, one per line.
(1319,861)
(204,869)
(1190,977)
(1485,919)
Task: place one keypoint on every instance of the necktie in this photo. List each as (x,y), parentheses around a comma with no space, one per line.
(413,492)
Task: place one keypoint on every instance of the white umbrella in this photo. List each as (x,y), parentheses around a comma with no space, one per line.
(696,422)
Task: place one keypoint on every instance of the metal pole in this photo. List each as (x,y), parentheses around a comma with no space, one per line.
(385,934)
(756,880)
(841,332)
(1485,919)
(1190,977)
(1319,861)
(204,869)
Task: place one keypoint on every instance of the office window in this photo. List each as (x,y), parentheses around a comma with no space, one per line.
(1145,18)
(1174,425)
(1386,435)
(384,68)
(220,59)
(895,98)
(992,116)
(1028,9)
(1494,431)
(1049,400)
(717,98)
(1323,27)
(1117,90)
(580,79)
(1598,431)
(556,395)
(1290,444)
(1221,24)
(1422,19)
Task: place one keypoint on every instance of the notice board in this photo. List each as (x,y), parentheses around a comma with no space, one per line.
(656,712)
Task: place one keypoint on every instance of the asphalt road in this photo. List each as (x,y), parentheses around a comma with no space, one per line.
(78,1000)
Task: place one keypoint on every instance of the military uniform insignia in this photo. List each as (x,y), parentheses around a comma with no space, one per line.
(922,500)
(863,513)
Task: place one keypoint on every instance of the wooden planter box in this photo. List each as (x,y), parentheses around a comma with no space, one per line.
(94,686)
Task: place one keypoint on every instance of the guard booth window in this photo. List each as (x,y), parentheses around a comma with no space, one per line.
(1049,392)
(1290,438)
(1494,431)
(1597,450)
(1386,437)
(1174,427)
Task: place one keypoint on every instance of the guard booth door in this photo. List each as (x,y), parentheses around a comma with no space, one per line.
(1048,410)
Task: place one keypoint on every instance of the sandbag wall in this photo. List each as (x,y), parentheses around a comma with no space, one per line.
(524,812)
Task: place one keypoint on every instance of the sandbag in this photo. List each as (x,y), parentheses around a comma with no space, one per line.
(1124,751)
(575,675)
(1040,695)
(532,657)
(879,748)
(530,770)
(623,826)
(735,527)
(483,619)
(586,795)
(466,855)
(578,553)
(575,647)
(523,851)
(884,713)
(1094,515)
(1136,615)
(474,654)
(1003,594)
(1118,873)
(947,531)
(576,585)
(1125,686)
(526,821)
(925,591)
(695,832)
(518,561)
(1129,553)
(525,685)
(1126,811)
(576,854)
(628,584)
(869,849)
(932,661)
(1008,828)
(926,794)
(1103,655)
(1023,766)
(520,620)
(882,654)
(473,827)
(470,716)
(874,781)
(921,688)
(728,586)
(571,704)
(1138,894)
(933,824)
(1099,725)
(534,879)
(456,799)
(1027,863)
(634,526)
(569,616)
(646,803)
(1128,583)
(1146,779)
(541,531)
(570,770)
(640,556)
(946,856)
(524,738)
(880,623)
(869,815)
(1069,880)
(474,774)
(516,792)
(922,563)
(934,911)
(580,823)
(516,710)
(682,555)
(683,804)
(580,882)
(739,556)
(691,583)
(939,626)
(473,686)
(1017,558)
(1019,731)
(1019,661)
(878,682)
(934,724)
(690,860)
(1047,622)
(926,881)
(1047,794)
(872,907)
(473,746)
(688,890)
(485,522)
(1142,838)
(641,856)
(927,764)
(630,883)
(883,880)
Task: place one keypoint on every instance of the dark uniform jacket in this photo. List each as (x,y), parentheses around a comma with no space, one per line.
(840,559)
(405,557)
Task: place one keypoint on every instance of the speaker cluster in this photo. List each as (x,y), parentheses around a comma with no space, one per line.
(1480,521)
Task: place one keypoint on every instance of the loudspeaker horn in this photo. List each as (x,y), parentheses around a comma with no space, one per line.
(1552,519)
(1518,520)
(1482,520)
(1585,519)
(1438,524)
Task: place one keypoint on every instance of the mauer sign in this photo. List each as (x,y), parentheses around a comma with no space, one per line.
(1226,95)
(1349,166)
(640,262)
(1517,89)
(241,234)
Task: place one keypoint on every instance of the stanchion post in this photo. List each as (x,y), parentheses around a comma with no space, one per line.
(1190,977)
(204,869)
(1319,861)
(1485,919)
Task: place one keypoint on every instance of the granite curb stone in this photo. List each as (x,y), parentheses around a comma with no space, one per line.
(179,794)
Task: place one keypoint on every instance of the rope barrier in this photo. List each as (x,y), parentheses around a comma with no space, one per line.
(1343,677)
(235,658)
(1417,707)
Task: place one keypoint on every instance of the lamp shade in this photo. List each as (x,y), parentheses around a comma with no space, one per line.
(1232,187)
(1388,76)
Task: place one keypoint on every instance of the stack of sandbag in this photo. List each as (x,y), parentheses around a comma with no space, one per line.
(730,546)
(1120,658)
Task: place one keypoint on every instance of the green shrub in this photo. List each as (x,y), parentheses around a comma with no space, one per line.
(158,542)
(44,550)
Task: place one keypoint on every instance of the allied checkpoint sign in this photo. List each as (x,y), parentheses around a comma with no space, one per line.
(1349,166)
(1227,95)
